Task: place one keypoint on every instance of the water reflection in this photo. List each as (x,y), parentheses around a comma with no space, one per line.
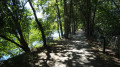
(55,35)
(5,58)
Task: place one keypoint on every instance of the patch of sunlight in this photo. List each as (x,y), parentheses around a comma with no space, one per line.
(84,59)
(81,62)
(76,41)
(83,55)
(59,54)
(73,64)
(86,43)
(37,46)
(59,64)
(79,29)
(42,55)
(52,43)
(91,66)
(56,38)
(91,58)
(59,45)
(73,50)
(56,57)
(88,54)
(39,63)
(82,50)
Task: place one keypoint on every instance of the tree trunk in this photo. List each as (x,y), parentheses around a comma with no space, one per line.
(22,41)
(104,44)
(58,28)
(71,17)
(40,26)
(12,41)
(88,18)
(94,15)
(58,12)
(65,20)
(25,46)
(73,27)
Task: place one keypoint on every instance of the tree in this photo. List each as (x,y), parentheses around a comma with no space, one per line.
(39,24)
(66,18)
(58,12)
(11,26)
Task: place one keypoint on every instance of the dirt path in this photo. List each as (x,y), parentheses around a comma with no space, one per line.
(75,53)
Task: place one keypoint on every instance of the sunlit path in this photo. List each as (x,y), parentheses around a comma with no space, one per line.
(73,52)
(70,53)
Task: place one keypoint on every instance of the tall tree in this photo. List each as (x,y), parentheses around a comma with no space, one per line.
(66,23)
(58,12)
(88,17)
(72,17)
(39,24)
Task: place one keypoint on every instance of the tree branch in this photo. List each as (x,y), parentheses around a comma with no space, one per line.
(25,3)
(10,40)
(39,24)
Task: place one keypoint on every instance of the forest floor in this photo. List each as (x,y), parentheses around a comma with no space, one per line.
(74,52)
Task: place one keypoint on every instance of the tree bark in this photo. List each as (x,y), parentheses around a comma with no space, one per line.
(73,27)
(94,15)
(71,17)
(39,24)
(58,12)
(104,44)
(88,18)
(65,20)
(58,28)
(18,26)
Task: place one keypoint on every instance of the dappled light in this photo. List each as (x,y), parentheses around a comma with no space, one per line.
(59,33)
(76,53)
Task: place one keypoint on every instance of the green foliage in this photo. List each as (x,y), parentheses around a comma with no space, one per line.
(9,26)
(5,50)
(37,46)
(35,33)
(108,20)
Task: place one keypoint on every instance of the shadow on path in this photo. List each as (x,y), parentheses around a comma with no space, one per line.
(75,52)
